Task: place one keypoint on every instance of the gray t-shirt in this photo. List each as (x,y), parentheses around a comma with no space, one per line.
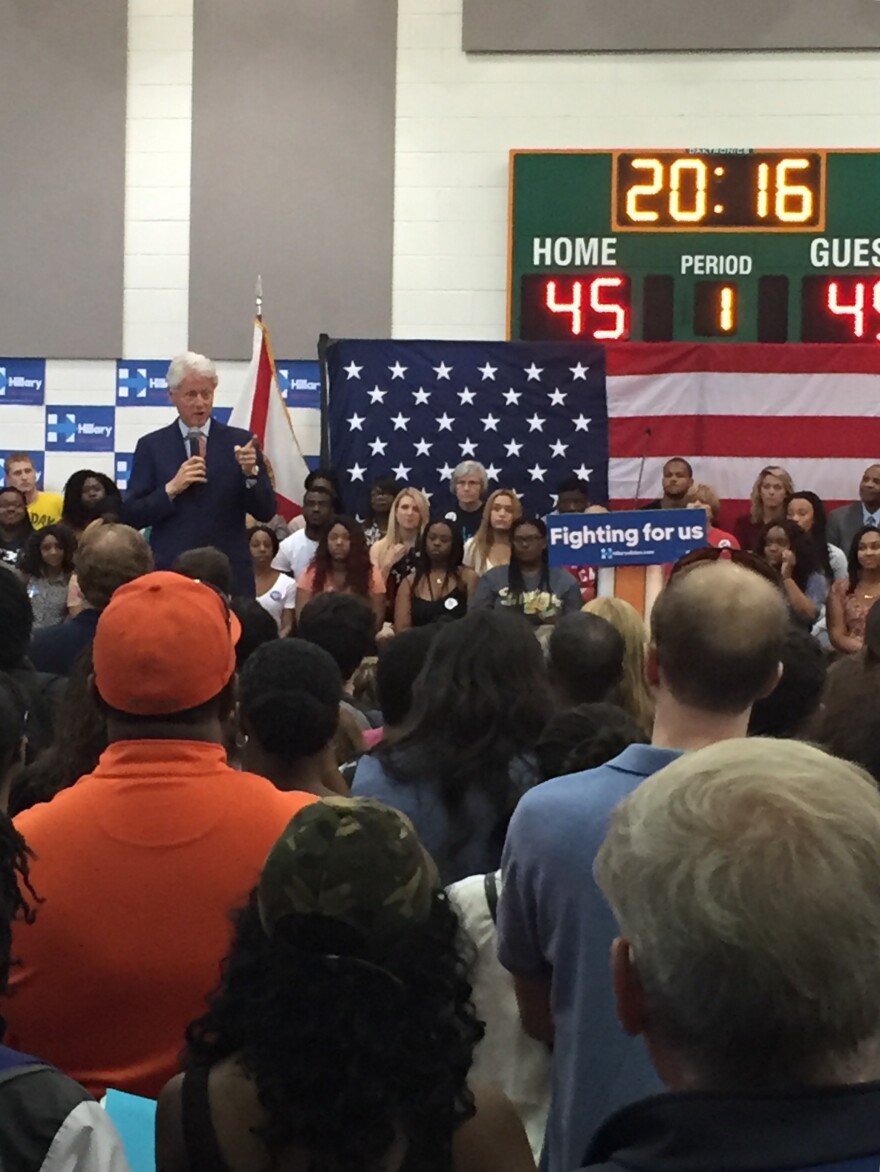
(537,604)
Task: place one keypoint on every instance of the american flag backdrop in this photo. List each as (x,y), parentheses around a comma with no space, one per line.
(531,414)
(535,412)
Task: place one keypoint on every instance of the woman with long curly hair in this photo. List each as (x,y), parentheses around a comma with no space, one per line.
(46,565)
(342,1032)
(769,492)
(342,563)
(87,496)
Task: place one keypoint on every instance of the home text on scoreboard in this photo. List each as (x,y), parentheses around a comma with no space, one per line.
(687,245)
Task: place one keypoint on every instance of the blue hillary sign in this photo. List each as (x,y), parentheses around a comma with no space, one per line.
(299,383)
(644,538)
(222,413)
(80,429)
(141,383)
(22,381)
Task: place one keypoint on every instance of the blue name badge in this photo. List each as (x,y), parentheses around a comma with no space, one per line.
(644,538)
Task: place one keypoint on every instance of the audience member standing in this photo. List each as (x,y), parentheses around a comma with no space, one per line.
(140,863)
(44,507)
(678,480)
(852,598)
(440,587)
(46,565)
(718,631)
(529,584)
(89,495)
(584,659)
(15,525)
(633,693)
(769,493)
(704,496)
(490,545)
(469,483)
(383,492)
(843,523)
(327,480)
(198,497)
(746,882)
(296,551)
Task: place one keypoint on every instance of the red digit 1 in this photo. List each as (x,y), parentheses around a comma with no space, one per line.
(614,308)
(875,301)
(574,307)
(855,310)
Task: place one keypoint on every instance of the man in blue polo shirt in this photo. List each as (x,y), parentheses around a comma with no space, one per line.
(717,636)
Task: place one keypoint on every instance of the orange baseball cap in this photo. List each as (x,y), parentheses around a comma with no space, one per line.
(165,643)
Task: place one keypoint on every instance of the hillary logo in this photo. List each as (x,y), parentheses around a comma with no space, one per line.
(22,381)
(141,383)
(85,429)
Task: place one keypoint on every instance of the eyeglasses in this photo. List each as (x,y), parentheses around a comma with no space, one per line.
(740,557)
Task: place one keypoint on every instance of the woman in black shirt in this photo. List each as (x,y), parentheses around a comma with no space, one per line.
(440,587)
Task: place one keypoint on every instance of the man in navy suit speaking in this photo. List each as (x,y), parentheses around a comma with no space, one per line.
(193,482)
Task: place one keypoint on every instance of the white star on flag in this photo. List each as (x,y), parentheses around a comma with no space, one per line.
(355,422)
(534,372)
(536,423)
(559,448)
(377,447)
(513,448)
(487,371)
(399,421)
(376,395)
(492,473)
(356,473)
(421,395)
(353,370)
(398,371)
(490,423)
(579,371)
(583,473)
(400,472)
(427,494)
(512,397)
(442,371)
(537,473)
(468,448)
(445,473)
(445,422)
(466,396)
(582,424)
(557,398)
(423,448)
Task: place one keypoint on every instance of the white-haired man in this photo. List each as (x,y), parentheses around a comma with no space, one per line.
(470,483)
(745,879)
(194,482)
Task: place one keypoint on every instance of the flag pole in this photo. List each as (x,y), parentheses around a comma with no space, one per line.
(259,298)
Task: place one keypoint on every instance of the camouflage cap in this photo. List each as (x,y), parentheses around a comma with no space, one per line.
(349,859)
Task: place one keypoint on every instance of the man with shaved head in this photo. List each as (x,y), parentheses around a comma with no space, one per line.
(717,634)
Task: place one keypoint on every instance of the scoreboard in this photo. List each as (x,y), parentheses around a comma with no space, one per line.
(695,245)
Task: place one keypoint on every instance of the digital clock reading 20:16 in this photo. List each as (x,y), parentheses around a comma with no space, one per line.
(761,190)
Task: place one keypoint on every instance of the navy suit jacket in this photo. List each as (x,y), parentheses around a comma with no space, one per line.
(844,523)
(203,514)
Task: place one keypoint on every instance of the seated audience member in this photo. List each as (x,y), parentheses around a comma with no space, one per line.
(746,960)
(383,492)
(584,738)
(400,661)
(46,565)
(257,627)
(704,496)
(80,739)
(572,496)
(106,558)
(206,564)
(342,565)
(296,551)
(395,554)
(678,480)
(490,545)
(161,815)
(44,508)
(15,525)
(844,523)
(769,493)
(87,496)
(440,586)
(718,631)
(529,584)
(289,697)
(632,694)
(276,592)
(342,1032)
(847,720)
(323,480)
(807,510)
(585,659)
(792,704)
(48,1121)
(41,691)
(345,626)
(788,549)
(470,483)
(464,756)
(853,597)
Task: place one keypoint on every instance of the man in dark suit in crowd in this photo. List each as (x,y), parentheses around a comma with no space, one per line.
(845,522)
(194,481)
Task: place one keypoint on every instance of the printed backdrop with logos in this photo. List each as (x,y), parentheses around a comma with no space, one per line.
(73,425)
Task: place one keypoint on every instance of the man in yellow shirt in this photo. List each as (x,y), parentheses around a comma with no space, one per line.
(44,507)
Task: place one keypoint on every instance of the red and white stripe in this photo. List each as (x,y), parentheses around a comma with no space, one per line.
(733,408)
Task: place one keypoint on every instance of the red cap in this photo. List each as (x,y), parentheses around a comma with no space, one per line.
(165,643)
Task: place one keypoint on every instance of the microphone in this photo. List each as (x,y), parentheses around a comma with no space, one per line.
(193,437)
(645,447)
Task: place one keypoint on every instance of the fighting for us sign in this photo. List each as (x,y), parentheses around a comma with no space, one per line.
(644,538)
